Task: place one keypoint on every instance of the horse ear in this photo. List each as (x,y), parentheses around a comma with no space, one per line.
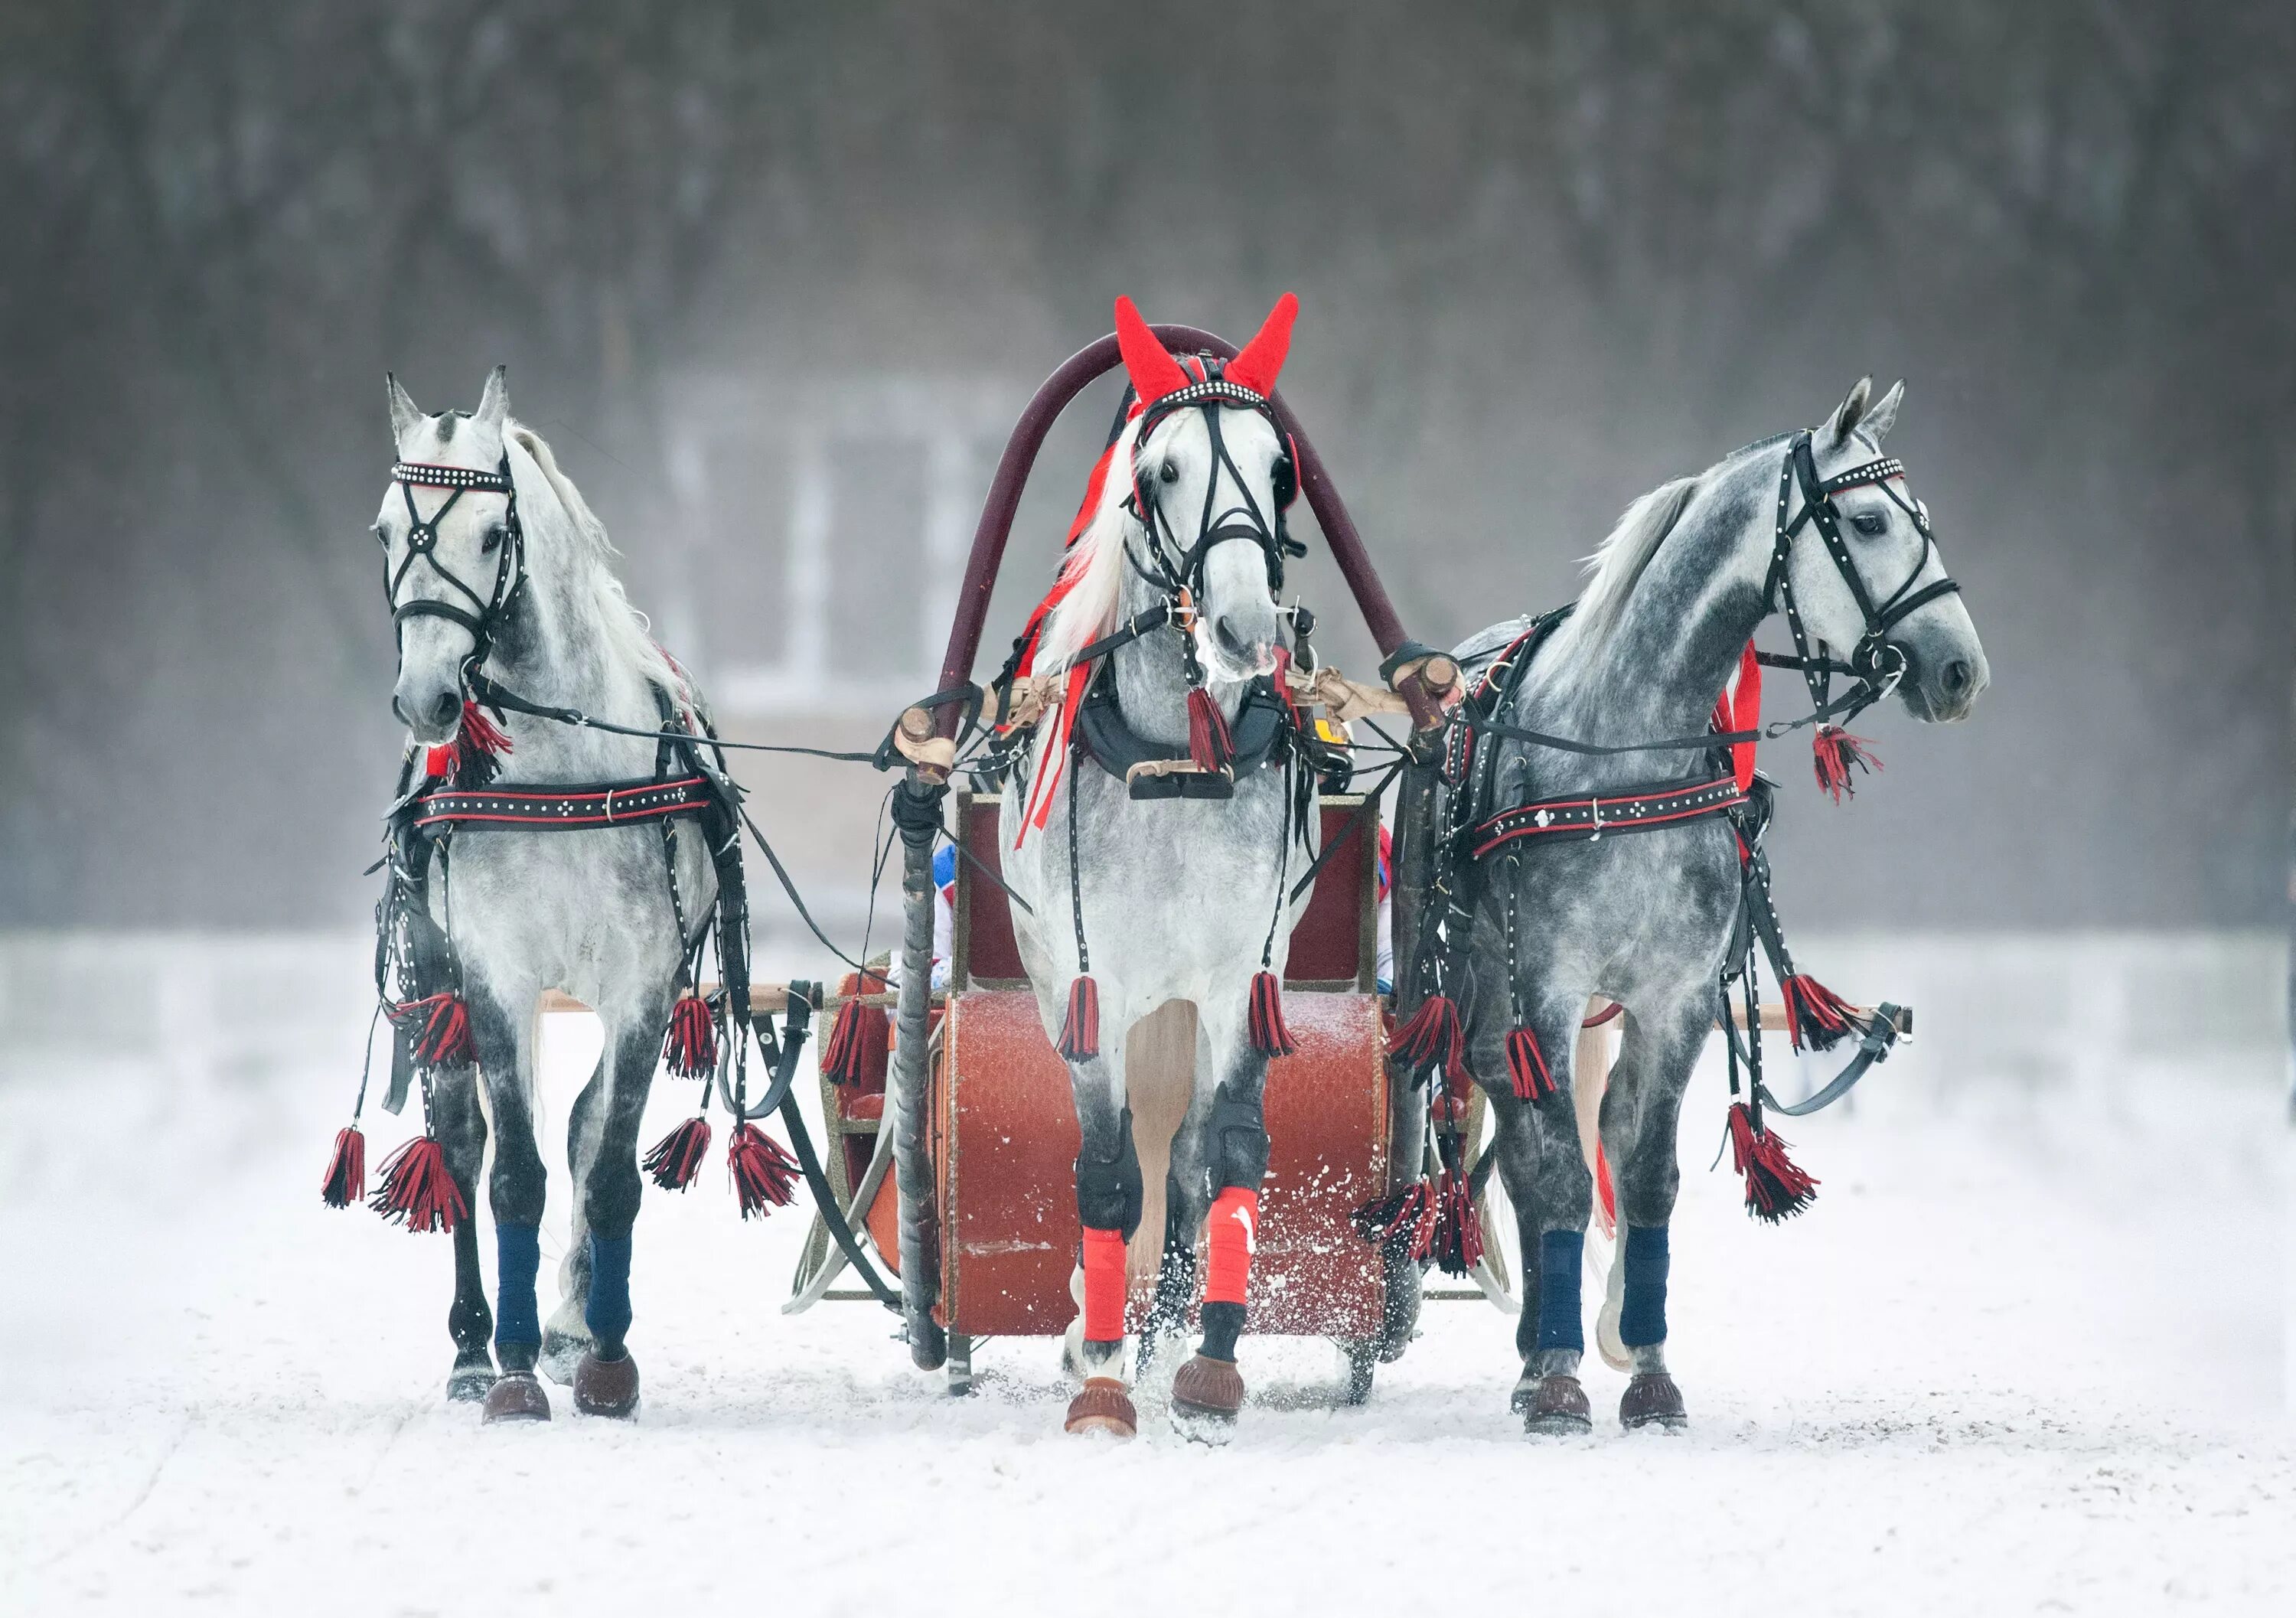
(1852,411)
(1262,358)
(403,412)
(493,404)
(1883,416)
(1153,372)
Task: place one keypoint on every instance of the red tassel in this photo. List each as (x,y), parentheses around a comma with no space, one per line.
(416,1190)
(1270,1036)
(1834,750)
(765,1177)
(690,1046)
(1774,1188)
(677,1158)
(1526,1066)
(1209,746)
(1432,1036)
(857,1043)
(346,1181)
(442,1029)
(1815,1016)
(1407,1215)
(474,757)
(1080,1034)
(1456,1232)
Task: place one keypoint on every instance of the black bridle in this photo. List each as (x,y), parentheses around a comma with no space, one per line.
(1177,569)
(492,610)
(1876,662)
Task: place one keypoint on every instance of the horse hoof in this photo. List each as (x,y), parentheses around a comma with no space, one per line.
(1206,1395)
(1103,1407)
(1554,1406)
(606,1387)
(562,1354)
(471,1380)
(1653,1400)
(517,1397)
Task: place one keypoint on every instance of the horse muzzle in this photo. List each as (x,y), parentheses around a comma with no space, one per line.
(431,715)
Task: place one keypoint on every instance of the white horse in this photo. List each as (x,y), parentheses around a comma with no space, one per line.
(497,569)
(1134,902)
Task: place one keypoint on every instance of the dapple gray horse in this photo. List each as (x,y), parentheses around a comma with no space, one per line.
(1175,900)
(1678,590)
(587,912)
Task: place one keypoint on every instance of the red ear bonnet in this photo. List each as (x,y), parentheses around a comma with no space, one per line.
(1153,372)
(1261,360)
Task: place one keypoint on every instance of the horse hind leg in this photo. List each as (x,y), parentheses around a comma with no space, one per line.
(566,1335)
(461,1126)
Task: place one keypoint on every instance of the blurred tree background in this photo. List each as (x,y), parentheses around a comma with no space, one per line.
(1550,254)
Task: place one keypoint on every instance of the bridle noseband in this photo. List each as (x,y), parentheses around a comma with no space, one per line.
(422,541)
(1876,662)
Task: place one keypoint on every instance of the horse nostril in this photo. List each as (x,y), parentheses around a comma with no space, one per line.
(444,709)
(1230,641)
(1956,676)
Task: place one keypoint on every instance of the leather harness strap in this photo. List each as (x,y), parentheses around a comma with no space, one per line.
(566,808)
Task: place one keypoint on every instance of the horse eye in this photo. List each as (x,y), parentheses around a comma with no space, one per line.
(1170,473)
(493,541)
(381,534)
(1869,522)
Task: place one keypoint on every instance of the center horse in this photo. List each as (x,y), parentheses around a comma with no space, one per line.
(1553,901)
(1150,833)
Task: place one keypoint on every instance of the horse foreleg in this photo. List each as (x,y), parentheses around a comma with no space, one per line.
(566,1335)
(1640,1118)
(606,1381)
(1232,1145)
(461,1128)
(1108,1209)
(515,1192)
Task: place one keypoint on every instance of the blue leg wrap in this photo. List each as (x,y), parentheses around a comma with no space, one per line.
(1559,1323)
(518,1254)
(607,1310)
(1642,1316)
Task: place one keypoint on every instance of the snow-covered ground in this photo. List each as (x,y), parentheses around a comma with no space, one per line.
(2025,1354)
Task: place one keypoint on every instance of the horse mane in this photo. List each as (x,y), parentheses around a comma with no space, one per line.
(623,628)
(1093,568)
(1617,564)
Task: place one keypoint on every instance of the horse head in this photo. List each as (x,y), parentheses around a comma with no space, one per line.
(1884,589)
(453,554)
(1211,477)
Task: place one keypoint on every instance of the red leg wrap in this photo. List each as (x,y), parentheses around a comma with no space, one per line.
(1231,1232)
(1103,1285)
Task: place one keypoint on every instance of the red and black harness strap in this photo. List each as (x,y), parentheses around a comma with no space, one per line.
(578,807)
(1588,817)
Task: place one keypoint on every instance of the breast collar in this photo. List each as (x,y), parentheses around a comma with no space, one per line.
(1262,724)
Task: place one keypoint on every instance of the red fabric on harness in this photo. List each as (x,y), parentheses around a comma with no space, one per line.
(1741,708)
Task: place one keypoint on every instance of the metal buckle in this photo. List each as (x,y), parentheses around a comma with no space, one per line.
(1183,611)
(610,805)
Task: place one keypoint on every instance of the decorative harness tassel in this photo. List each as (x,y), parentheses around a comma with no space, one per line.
(858,1038)
(1080,1034)
(1432,1036)
(345,1180)
(416,1190)
(690,1048)
(1775,1190)
(1816,1016)
(1270,1036)
(1832,752)
(474,757)
(438,1027)
(765,1177)
(676,1159)
(1209,746)
(1526,1066)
